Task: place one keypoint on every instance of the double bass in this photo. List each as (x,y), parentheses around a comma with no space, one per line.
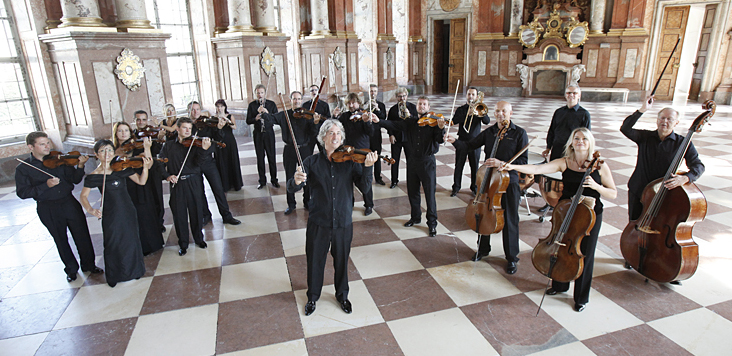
(659,244)
(484,214)
(558,255)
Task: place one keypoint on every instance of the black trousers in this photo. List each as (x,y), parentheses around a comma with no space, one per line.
(318,239)
(582,285)
(473,156)
(209,169)
(396,154)
(375,145)
(186,204)
(264,144)
(635,207)
(57,216)
(421,171)
(509,203)
(156,174)
(289,160)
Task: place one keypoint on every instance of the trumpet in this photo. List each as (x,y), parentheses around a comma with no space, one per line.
(403,112)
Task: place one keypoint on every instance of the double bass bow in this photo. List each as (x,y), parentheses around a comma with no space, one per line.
(484,214)
(659,244)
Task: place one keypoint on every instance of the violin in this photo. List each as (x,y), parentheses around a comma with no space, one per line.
(358,155)
(147,131)
(199,142)
(558,255)
(359,115)
(132,144)
(302,113)
(659,245)
(120,163)
(55,158)
(205,121)
(429,119)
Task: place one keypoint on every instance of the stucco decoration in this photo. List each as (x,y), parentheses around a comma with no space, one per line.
(449,5)
(577,71)
(523,74)
(129,69)
(339,58)
(268,61)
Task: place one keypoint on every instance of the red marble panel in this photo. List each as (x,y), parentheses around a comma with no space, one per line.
(620,14)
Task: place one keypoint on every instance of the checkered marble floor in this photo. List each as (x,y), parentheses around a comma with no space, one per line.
(411,294)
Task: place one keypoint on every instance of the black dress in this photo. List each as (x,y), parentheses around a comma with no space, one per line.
(148,216)
(227,161)
(122,250)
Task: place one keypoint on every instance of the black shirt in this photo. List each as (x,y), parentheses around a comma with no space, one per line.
(331,189)
(304,129)
(30,183)
(358,133)
(564,121)
(393,115)
(175,152)
(321,108)
(461,115)
(423,141)
(252,111)
(515,139)
(655,156)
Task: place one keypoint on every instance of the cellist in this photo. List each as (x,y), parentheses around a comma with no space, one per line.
(514,140)
(577,154)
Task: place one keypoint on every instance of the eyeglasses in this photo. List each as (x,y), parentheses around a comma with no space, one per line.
(572,93)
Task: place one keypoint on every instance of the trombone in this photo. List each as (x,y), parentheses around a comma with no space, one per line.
(477,107)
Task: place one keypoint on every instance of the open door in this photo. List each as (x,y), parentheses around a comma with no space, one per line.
(672,28)
(441,57)
(701,54)
(457,53)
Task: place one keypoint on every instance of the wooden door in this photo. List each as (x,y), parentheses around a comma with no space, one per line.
(673,28)
(457,53)
(439,66)
(701,54)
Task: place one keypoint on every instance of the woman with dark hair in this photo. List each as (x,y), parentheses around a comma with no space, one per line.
(122,249)
(227,158)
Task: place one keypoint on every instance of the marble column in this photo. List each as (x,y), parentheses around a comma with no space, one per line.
(131,14)
(597,17)
(81,13)
(319,16)
(264,17)
(240,18)
(517,17)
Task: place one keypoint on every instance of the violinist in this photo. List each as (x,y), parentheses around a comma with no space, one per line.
(303,129)
(577,154)
(168,122)
(357,125)
(57,208)
(379,109)
(264,137)
(186,189)
(322,109)
(208,166)
(227,158)
(120,228)
(656,150)
(513,141)
(469,125)
(147,198)
(154,185)
(330,225)
(422,143)
(142,122)
(400,111)
(121,134)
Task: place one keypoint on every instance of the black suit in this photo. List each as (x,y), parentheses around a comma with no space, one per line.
(264,139)
(303,130)
(323,109)
(375,142)
(209,169)
(358,134)
(399,144)
(467,130)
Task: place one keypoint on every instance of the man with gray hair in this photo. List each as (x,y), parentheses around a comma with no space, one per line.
(656,151)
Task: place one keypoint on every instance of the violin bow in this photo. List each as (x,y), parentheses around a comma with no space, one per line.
(452,112)
(292,133)
(34,167)
(195,136)
(519,153)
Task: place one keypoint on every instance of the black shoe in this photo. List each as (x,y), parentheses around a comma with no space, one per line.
(112,284)
(289,210)
(182,251)
(162,228)
(511,267)
(579,307)
(552,291)
(433,231)
(202,244)
(95,270)
(479,256)
(544,208)
(393,184)
(260,186)
(232,221)
(71,277)
(275,184)
(454,192)
(206,221)
(346,306)
(411,223)
(368,211)
(676,283)
(380,182)
(473,192)
(309,307)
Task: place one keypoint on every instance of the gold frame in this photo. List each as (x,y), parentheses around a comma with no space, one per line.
(129,69)
(571,26)
(543,54)
(556,29)
(534,26)
(268,61)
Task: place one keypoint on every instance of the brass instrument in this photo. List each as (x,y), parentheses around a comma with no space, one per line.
(403,112)
(477,107)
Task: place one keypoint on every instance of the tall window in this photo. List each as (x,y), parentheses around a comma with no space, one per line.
(16,105)
(172,16)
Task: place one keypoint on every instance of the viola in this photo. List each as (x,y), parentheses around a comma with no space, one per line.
(659,244)
(484,214)
(558,255)
(120,163)
(429,119)
(358,155)
(198,142)
(132,144)
(147,131)
(55,158)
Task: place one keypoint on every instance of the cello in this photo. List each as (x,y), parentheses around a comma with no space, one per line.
(659,244)
(484,214)
(558,255)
